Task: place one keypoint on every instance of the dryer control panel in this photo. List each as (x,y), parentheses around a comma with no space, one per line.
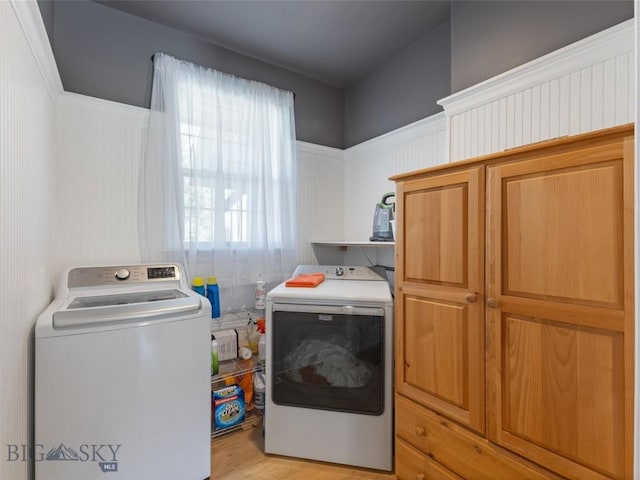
(340,272)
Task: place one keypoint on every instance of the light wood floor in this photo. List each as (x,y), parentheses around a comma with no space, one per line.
(239,456)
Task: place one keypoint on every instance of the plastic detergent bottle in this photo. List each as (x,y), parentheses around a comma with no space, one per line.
(253,337)
(197,284)
(259,387)
(262,343)
(214,356)
(261,293)
(213,294)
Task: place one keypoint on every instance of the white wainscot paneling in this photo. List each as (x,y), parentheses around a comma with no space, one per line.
(588,85)
(29,86)
(320,208)
(369,165)
(100,144)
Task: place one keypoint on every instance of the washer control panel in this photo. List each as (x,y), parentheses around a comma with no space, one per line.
(121,274)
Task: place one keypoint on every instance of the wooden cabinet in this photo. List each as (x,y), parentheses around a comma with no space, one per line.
(415,465)
(441,265)
(514,309)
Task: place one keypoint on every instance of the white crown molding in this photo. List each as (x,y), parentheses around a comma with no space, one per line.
(104,107)
(319,150)
(30,20)
(421,128)
(427,126)
(609,43)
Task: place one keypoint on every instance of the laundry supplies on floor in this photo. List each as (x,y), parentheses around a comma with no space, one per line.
(228,407)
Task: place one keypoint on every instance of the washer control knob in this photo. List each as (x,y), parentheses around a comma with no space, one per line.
(339,271)
(122,274)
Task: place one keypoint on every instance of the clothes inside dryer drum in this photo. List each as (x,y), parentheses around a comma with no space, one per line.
(314,360)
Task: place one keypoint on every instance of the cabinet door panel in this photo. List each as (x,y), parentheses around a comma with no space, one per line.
(559,321)
(555,221)
(571,374)
(436,235)
(440,291)
(436,358)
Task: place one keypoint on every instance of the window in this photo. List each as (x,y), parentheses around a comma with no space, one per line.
(218,182)
(207,153)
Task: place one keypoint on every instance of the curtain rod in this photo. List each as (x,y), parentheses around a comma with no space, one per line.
(294,93)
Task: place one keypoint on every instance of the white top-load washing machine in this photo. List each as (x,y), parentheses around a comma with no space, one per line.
(329,368)
(122,377)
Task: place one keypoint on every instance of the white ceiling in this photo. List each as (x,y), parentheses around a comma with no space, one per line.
(334,41)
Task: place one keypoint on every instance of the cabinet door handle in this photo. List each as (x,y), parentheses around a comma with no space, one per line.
(420,431)
(420,476)
(492,303)
(471,298)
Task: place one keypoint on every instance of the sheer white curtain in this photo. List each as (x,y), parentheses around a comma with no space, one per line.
(218,179)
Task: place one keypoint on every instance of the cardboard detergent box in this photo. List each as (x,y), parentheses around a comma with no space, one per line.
(227,344)
(228,407)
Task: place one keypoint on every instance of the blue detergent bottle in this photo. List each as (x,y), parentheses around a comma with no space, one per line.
(213,294)
(197,284)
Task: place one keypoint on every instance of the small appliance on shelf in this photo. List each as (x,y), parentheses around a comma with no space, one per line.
(382,218)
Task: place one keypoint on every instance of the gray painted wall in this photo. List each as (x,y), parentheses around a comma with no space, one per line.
(405,89)
(46,11)
(491,37)
(106,54)
(486,39)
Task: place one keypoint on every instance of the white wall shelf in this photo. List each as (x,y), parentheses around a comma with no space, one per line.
(347,243)
(347,252)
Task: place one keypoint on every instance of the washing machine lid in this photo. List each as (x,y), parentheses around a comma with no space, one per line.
(129,307)
(125,298)
(122,293)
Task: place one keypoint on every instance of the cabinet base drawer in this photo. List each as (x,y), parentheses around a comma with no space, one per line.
(413,465)
(457,449)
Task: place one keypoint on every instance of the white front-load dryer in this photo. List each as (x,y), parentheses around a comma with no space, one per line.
(329,368)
